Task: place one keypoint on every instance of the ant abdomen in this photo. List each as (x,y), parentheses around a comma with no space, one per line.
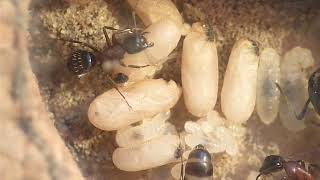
(81,62)
(199,165)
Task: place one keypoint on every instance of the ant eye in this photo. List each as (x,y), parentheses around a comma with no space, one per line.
(279,164)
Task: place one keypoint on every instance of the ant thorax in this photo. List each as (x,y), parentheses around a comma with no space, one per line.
(109,64)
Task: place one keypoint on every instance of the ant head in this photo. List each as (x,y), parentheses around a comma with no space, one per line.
(121,78)
(136,42)
(199,146)
(271,164)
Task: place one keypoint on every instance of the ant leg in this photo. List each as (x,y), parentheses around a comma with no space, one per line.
(110,28)
(79,42)
(298,116)
(132,66)
(129,30)
(258,176)
(107,37)
(116,87)
(304,110)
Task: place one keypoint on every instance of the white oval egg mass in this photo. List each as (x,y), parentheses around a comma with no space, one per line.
(199,72)
(238,95)
(268,95)
(154,153)
(147,98)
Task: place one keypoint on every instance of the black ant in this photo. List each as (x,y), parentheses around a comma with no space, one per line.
(295,170)
(314,94)
(198,166)
(81,62)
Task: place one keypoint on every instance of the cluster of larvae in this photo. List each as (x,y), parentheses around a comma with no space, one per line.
(291,73)
(146,139)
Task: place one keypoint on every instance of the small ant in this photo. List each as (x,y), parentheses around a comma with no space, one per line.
(198,166)
(314,94)
(81,62)
(295,170)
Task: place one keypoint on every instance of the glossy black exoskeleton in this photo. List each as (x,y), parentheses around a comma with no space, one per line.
(120,78)
(295,170)
(133,41)
(199,165)
(130,40)
(81,62)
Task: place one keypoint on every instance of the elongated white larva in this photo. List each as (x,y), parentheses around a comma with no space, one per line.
(294,83)
(238,95)
(151,11)
(165,35)
(149,129)
(147,98)
(268,95)
(199,72)
(154,153)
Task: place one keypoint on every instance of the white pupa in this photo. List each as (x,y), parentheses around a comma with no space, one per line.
(238,95)
(149,129)
(294,83)
(152,11)
(147,98)
(268,95)
(165,35)
(199,71)
(154,153)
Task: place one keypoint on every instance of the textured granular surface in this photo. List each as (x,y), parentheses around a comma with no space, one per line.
(272,23)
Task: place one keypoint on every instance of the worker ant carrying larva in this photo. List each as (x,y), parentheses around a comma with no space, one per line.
(81,62)
(314,95)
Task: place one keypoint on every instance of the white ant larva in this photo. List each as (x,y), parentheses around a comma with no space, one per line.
(238,95)
(199,71)
(154,153)
(151,11)
(268,95)
(147,98)
(294,83)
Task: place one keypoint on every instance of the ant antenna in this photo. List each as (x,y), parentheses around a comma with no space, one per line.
(259,176)
(134,21)
(79,42)
(115,86)
(181,158)
(304,110)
